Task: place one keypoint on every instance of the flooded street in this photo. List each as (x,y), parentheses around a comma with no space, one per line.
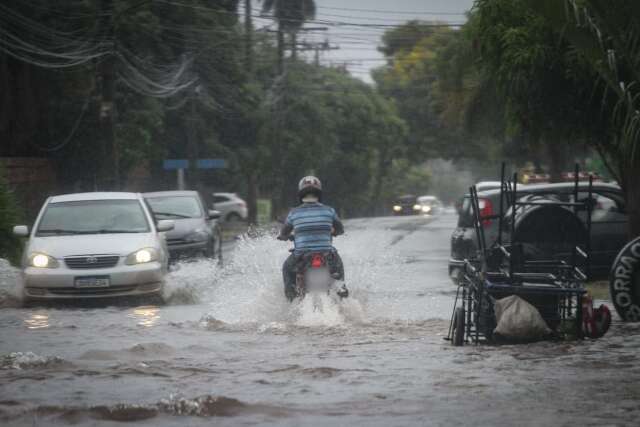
(229,346)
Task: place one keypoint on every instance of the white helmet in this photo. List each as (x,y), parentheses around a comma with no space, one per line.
(309,185)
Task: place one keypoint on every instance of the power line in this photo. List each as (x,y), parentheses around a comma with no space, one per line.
(389,11)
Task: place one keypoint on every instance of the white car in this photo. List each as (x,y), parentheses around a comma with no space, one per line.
(230,206)
(93,245)
(429,205)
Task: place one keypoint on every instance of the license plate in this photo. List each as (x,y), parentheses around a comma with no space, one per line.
(92,282)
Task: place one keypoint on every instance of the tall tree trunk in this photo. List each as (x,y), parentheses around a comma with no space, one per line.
(252,197)
(557,160)
(280,49)
(294,45)
(383,167)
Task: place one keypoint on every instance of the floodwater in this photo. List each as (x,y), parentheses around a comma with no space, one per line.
(229,350)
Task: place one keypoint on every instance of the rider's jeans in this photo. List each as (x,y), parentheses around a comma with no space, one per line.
(289,272)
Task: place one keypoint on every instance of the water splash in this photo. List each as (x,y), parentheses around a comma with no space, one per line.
(10,285)
(249,289)
(28,360)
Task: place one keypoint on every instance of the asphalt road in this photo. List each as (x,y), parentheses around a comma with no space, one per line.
(229,350)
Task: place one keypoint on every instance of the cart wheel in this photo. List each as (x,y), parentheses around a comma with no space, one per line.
(458,327)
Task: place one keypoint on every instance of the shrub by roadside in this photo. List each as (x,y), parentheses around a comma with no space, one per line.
(10,246)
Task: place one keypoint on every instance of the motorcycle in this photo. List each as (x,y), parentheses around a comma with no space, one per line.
(316,274)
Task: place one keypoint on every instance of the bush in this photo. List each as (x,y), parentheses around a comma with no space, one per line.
(10,246)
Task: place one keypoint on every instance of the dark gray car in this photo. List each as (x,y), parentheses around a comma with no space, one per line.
(608,222)
(196,231)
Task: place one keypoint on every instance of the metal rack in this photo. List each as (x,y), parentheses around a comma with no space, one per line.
(554,286)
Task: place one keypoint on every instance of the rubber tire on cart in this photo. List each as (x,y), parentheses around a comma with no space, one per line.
(458,327)
(624,282)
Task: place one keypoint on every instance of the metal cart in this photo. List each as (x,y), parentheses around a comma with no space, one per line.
(554,286)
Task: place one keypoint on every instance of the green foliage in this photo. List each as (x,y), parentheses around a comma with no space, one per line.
(291,14)
(10,246)
(605,40)
(433,79)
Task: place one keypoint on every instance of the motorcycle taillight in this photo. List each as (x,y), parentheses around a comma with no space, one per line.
(317,261)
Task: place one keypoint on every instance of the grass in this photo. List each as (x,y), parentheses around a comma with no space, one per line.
(599,289)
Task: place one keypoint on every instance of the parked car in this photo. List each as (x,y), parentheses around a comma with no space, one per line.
(196,230)
(93,245)
(430,205)
(480,186)
(487,185)
(230,206)
(608,222)
(407,205)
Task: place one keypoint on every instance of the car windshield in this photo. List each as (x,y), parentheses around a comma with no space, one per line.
(406,199)
(427,200)
(175,207)
(93,217)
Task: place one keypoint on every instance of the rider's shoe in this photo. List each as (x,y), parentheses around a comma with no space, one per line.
(343,292)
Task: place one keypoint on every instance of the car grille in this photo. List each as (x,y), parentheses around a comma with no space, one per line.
(92,291)
(87,262)
(176,241)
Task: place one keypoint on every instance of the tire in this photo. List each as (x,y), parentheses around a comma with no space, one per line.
(218,250)
(214,248)
(233,217)
(624,282)
(458,327)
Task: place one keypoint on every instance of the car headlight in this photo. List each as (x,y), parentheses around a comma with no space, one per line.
(198,235)
(41,260)
(426,209)
(397,208)
(142,256)
(417,207)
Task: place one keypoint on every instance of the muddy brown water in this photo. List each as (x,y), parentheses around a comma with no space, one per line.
(228,350)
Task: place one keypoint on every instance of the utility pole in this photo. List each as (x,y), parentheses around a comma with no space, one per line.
(107,114)
(250,172)
(317,48)
(248,34)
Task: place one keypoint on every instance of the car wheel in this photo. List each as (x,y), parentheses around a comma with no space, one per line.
(234,217)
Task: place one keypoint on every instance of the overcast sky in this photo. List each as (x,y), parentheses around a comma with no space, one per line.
(358,43)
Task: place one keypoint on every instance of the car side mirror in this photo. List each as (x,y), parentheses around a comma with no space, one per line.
(214,214)
(165,225)
(21,230)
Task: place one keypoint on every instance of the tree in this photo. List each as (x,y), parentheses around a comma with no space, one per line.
(290,14)
(543,86)
(607,39)
(10,246)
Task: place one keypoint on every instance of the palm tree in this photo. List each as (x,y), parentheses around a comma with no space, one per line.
(290,14)
(608,38)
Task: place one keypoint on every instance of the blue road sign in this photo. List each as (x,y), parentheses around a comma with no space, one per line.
(176,164)
(211,164)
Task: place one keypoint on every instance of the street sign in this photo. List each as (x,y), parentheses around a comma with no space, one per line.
(170,164)
(211,164)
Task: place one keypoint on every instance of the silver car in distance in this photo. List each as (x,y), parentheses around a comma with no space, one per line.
(94,245)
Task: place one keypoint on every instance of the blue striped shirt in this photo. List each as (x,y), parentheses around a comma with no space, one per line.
(312,224)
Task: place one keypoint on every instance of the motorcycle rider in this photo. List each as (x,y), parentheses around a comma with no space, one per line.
(313,225)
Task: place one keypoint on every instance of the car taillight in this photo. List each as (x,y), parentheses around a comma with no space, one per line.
(486,210)
(317,261)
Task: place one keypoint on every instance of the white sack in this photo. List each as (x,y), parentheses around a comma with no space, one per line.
(519,320)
